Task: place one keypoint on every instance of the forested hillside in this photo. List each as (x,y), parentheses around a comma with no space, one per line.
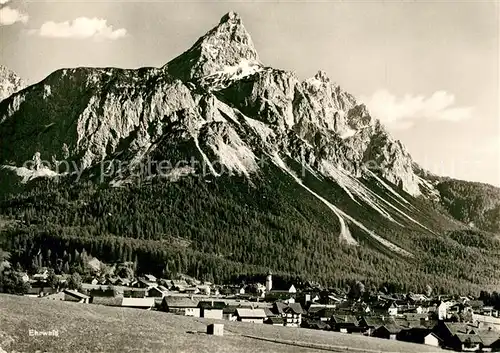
(221,228)
(477,204)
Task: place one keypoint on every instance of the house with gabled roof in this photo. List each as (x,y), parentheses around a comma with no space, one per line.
(290,312)
(314,309)
(458,336)
(386,308)
(321,313)
(102,292)
(142,283)
(489,311)
(250,315)
(167,283)
(40,289)
(441,310)
(191,290)
(75,296)
(361,308)
(138,303)
(134,293)
(417,298)
(55,296)
(476,305)
(269,312)
(486,322)
(370,323)
(490,340)
(229,313)
(179,285)
(275,321)
(279,308)
(344,323)
(187,306)
(315,325)
(294,308)
(466,342)
(387,331)
(289,290)
(415,323)
(122,281)
(212,309)
(416,317)
(205,289)
(157,292)
(419,335)
(150,278)
(284,293)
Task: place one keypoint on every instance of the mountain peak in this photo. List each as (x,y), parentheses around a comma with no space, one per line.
(226,45)
(322,76)
(230,16)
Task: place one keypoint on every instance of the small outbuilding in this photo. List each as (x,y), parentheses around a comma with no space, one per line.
(215,329)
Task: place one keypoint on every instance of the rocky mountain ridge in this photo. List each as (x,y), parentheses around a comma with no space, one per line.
(219,104)
(314,120)
(262,170)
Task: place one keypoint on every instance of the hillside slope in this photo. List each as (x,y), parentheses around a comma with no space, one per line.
(96,328)
(477,204)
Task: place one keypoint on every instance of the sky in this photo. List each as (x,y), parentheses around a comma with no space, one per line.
(428,70)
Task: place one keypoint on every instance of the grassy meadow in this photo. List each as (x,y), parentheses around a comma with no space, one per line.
(95,328)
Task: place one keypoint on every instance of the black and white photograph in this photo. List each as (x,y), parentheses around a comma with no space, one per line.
(184,176)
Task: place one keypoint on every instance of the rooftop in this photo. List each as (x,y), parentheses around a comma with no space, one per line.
(76,294)
(251,313)
(138,302)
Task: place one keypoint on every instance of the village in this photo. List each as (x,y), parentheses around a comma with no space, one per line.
(456,323)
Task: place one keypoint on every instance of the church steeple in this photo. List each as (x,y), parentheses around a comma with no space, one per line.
(269,281)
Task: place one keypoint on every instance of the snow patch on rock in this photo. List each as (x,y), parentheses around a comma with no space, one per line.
(229,74)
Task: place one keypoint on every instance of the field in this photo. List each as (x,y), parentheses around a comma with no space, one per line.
(95,328)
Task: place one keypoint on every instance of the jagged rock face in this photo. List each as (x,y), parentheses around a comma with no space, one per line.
(89,113)
(327,123)
(10,82)
(323,103)
(216,98)
(227,45)
(392,161)
(266,96)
